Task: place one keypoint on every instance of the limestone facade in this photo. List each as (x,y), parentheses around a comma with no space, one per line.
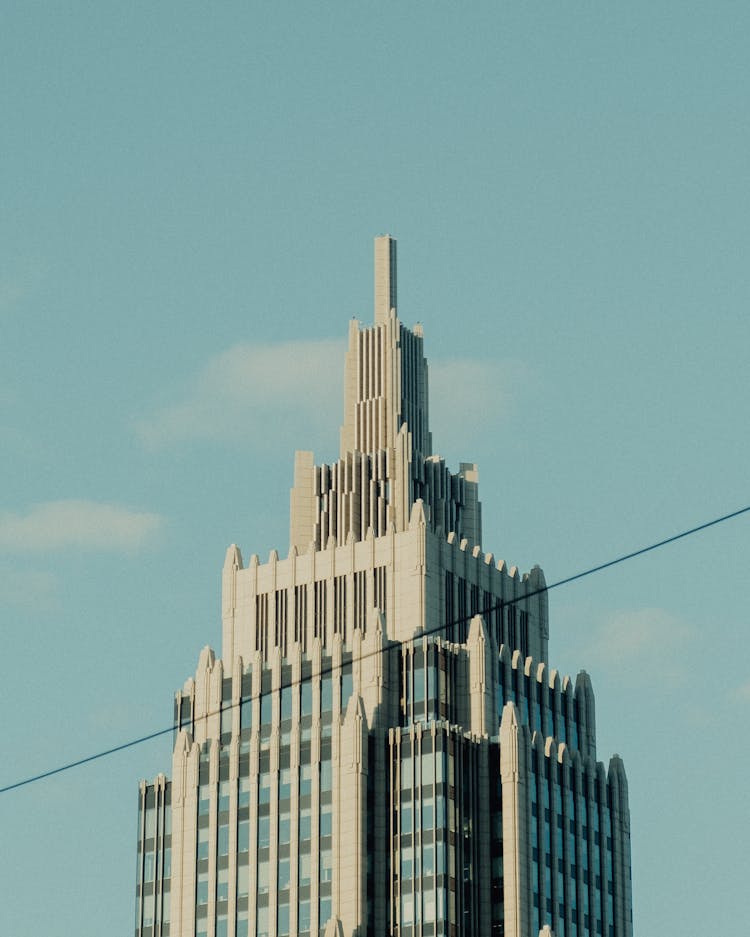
(382,747)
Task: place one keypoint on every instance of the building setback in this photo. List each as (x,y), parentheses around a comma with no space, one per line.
(382,748)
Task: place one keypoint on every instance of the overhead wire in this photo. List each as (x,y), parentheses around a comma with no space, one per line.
(391,645)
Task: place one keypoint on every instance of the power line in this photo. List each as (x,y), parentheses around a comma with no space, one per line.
(427,632)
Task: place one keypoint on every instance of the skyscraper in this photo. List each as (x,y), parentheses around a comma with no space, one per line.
(382,748)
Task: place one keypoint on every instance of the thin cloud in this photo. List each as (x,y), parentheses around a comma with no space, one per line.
(643,644)
(32,589)
(469,385)
(290,394)
(259,393)
(742,693)
(77,524)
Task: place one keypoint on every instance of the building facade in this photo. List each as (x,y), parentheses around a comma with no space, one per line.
(382,748)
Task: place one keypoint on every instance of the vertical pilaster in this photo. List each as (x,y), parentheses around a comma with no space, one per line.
(515,780)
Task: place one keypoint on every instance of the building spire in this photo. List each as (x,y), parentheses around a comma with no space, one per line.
(385,277)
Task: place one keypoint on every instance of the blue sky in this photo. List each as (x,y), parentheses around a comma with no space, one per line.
(189,197)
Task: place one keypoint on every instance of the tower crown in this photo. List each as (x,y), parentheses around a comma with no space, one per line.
(386,462)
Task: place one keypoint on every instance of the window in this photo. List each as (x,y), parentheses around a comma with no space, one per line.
(264,832)
(325,913)
(202,888)
(347,685)
(303,923)
(326,867)
(222,885)
(286,702)
(326,694)
(283,920)
(203,843)
(264,875)
(305,824)
(307,697)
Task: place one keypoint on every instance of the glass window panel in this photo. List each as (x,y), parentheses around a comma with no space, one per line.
(347,685)
(326,776)
(148,910)
(305,824)
(285,872)
(244,793)
(266,710)
(223,840)
(406,862)
(304,917)
(406,773)
(326,694)
(286,702)
(285,783)
(264,832)
(246,714)
(307,698)
(222,884)
(264,876)
(203,842)
(262,919)
(227,713)
(283,919)
(243,836)
(326,865)
(202,892)
(418,684)
(305,868)
(439,767)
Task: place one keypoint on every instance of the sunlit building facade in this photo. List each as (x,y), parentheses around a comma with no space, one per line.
(382,748)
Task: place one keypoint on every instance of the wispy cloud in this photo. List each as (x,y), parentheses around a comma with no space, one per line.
(32,589)
(264,393)
(741,694)
(77,524)
(643,644)
(18,282)
(470,385)
(291,394)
